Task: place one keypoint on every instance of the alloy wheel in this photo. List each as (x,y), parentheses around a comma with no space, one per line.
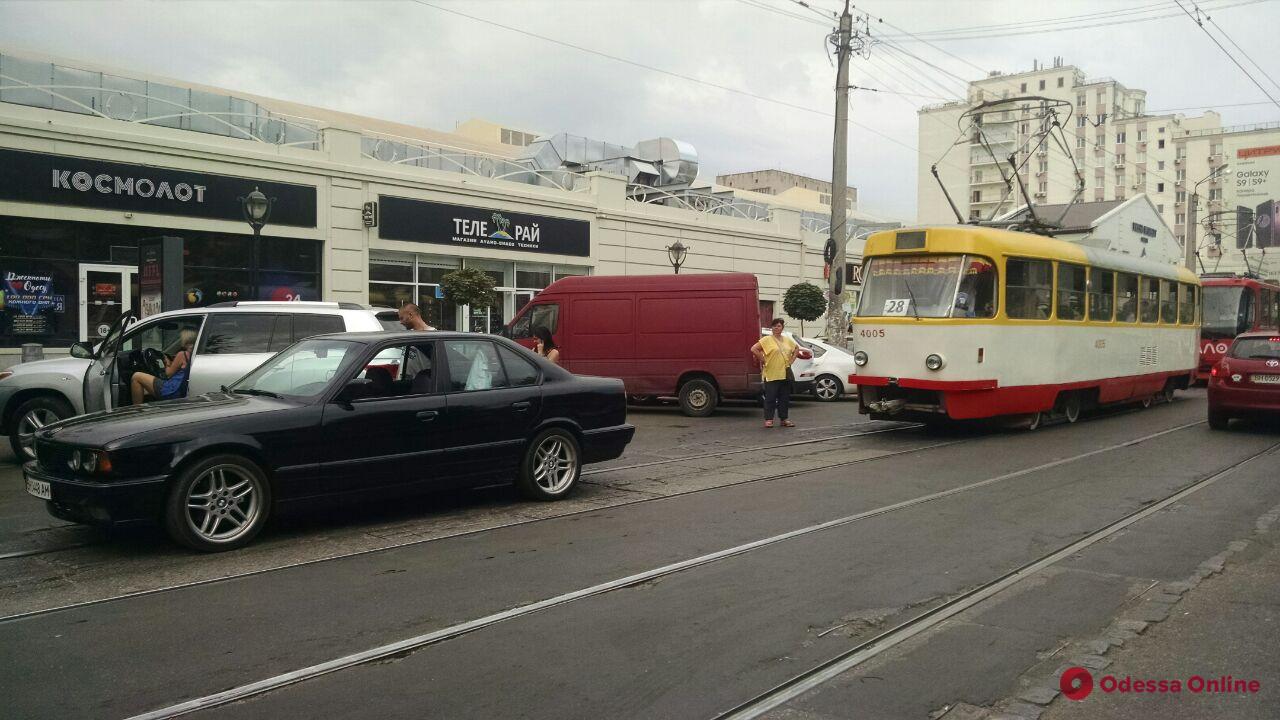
(222,504)
(826,388)
(29,424)
(555,465)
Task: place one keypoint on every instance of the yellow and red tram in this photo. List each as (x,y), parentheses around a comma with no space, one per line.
(972,322)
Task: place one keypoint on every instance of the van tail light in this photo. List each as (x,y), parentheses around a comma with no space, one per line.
(1214,371)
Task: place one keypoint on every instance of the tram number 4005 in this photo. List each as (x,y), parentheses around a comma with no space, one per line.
(871,332)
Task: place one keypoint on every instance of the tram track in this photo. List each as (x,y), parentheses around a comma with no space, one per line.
(407,646)
(35,552)
(488,528)
(805,681)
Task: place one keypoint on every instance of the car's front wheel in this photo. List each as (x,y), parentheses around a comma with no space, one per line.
(698,398)
(551,466)
(218,503)
(828,388)
(30,417)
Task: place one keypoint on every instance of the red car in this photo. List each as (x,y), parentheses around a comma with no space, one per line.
(1246,382)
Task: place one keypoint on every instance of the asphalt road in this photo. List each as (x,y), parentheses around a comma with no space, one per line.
(714,563)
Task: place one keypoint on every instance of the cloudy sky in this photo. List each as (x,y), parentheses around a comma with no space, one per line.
(673,66)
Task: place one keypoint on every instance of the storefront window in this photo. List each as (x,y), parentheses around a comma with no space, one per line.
(39,302)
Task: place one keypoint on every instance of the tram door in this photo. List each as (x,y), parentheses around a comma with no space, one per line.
(106,292)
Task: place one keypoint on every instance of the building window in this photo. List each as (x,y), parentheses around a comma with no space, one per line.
(1119,179)
(1215,193)
(977,176)
(1120,137)
(1102,118)
(1120,159)
(1060,81)
(1161,131)
(1142,136)
(515,137)
(1180,196)
(1080,121)
(1160,143)
(1099,140)
(1159,187)
(1159,164)
(1044,187)
(1181,175)
(1080,141)
(1024,87)
(1216,149)
(1102,96)
(1041,84)
(1160,208)
(977,197)
(1180,218)
(824,198)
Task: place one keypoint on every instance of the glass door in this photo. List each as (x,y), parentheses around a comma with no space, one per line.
(106,292)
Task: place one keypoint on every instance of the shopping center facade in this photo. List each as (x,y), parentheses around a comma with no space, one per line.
(93,162)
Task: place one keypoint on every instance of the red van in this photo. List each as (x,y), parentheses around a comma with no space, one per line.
(683,335)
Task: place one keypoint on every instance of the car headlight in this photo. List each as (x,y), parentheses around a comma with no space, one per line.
(90,461)
(860,358)
(934,362)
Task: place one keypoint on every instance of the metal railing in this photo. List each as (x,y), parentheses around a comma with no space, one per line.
(54,87)
(701,200)
(414,153)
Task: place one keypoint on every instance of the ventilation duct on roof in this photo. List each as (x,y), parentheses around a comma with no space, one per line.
(662,162)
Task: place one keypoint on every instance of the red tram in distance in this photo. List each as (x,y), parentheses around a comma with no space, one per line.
(1234,304)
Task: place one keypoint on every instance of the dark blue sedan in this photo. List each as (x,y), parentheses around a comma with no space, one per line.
(354,414)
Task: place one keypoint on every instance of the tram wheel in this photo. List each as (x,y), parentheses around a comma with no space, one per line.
(1034,421)
(1071,407)
(1147,401)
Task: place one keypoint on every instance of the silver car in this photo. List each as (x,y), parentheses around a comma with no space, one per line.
(231,339)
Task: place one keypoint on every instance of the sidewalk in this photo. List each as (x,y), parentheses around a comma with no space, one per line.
(1227,625)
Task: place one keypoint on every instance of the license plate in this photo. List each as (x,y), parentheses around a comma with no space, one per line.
(1266,379)
(39,488)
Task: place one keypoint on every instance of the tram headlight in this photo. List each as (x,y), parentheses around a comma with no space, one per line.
(934,362)
(860,358)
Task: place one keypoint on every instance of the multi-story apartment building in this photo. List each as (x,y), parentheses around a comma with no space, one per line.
(788,187)
(1119,148)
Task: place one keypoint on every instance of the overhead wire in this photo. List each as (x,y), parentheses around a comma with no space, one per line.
(1227,52)
(1242,52)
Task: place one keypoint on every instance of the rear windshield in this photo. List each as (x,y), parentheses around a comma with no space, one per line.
(390,320)
(1258,348)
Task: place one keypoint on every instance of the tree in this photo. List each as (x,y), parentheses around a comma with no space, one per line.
(804,301)
(468,286)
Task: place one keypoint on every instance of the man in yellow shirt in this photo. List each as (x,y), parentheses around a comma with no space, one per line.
(776,352)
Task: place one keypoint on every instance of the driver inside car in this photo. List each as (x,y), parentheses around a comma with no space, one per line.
(174,382)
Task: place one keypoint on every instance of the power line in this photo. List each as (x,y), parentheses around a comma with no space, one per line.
(1038,31)
(1044,21)
(785,13)
(1226,52)
(662,71)
(1242,52)
(1207,107)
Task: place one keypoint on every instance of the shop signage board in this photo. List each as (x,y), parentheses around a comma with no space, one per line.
(464,226)
(159,275)
(82,182)
(1251,192)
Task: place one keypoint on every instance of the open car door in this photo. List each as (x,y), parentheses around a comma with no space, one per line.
(100,382)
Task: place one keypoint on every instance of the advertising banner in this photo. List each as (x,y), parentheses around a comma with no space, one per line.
(464,226)
(1252,192)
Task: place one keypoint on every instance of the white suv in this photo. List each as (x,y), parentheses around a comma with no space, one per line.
(231,339)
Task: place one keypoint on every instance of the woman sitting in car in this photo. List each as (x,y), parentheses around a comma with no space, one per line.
(174,382)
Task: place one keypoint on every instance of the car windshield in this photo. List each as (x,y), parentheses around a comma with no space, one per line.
(1257,348)
(916,286)
(1225,313)
(301,371)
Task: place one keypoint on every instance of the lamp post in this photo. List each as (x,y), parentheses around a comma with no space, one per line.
(675,254)
(257,210)
(1190,251)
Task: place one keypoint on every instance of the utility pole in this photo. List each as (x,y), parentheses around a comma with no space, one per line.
(1189,249)
(847,41)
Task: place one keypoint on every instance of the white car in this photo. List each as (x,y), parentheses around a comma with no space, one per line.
(232,338)
(828,370)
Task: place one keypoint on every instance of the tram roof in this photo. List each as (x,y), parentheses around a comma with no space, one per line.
(980,240)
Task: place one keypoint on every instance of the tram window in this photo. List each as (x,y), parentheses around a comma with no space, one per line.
(1102,295)
(1029,289)
(1187,304)
(1126,297)
(976,297)
(1148,300)
(1071,287)
(1267,319)
(1168,302)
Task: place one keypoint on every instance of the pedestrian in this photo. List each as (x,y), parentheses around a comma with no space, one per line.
(546,345)
(411,318)
(776,352)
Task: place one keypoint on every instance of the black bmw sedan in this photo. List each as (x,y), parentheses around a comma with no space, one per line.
(333,416)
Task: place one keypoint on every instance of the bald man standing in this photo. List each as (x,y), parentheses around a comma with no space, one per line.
(411,318)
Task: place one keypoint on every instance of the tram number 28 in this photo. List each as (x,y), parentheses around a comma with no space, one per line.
(871,332)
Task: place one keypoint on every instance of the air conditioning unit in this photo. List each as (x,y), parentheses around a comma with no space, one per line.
(1119,164)
(1180,183)
(1215,158)
(1040,173)
(1042,152)
(1134,186)
(1040,194)
(1178,161)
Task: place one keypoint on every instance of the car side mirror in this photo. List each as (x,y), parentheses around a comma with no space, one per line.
(82,350)
(355,389)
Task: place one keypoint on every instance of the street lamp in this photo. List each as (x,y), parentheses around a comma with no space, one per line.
(1190,251)
(675,254)
(257,210)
